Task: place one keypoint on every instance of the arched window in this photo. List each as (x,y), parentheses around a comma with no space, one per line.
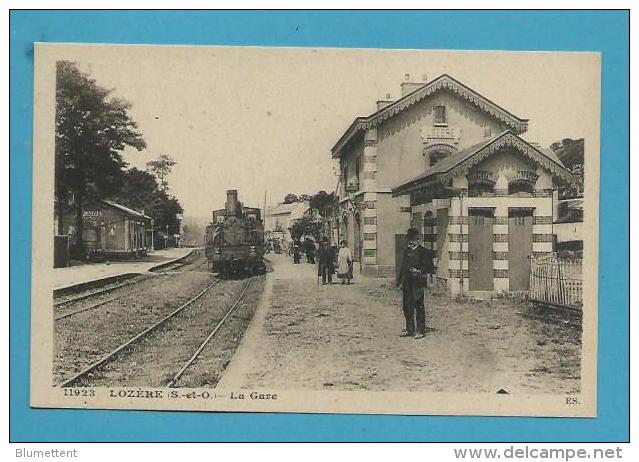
(523,184)
(436,156)
(481,183)
(436,152)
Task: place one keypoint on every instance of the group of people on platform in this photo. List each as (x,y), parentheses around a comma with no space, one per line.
(324,256)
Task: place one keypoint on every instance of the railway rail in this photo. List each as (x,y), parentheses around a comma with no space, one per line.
(112,356)
(117,351)
(173,266)
(196,265)
(206,341)
(102,291)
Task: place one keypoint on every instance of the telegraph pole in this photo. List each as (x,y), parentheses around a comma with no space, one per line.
(264,214)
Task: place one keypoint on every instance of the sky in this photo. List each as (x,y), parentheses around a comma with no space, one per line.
(263,120)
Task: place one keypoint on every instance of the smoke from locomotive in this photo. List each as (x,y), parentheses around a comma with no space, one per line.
(234,241)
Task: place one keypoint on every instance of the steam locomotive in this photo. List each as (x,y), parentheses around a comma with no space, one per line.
(234,241)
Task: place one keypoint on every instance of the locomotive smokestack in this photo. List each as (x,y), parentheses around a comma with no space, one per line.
(231,202)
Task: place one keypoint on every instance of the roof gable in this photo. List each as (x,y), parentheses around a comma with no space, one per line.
(443,82)
(283,209)
(461,161)
(124,209)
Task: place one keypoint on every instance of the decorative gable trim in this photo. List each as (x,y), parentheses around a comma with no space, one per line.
(481,177)
(440,177)
(443,82)
(509,139)
(443,147)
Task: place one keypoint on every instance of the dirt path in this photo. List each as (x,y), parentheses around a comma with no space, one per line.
(346,338)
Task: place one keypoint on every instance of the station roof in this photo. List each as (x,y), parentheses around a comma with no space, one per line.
(444,81)
(459,162)
(125,209)
(576,203)
(284,209)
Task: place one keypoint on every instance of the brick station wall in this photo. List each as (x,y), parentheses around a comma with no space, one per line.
(454,267)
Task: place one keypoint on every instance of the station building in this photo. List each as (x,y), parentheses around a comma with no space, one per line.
(451,163)
(112,228)
(279,218)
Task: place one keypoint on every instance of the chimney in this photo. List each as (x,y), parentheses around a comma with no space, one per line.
(231,202)
(382,103)
(409,86)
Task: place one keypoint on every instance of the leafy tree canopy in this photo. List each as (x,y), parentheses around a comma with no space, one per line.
(571,154)
(323,202)
(290,198)
(305,226)
(161,167)
(91,130)
(141,191)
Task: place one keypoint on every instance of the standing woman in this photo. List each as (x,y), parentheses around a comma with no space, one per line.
(344,263)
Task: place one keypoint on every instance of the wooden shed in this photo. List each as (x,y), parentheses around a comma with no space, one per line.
(112,228)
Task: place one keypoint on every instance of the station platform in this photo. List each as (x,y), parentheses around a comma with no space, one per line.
(308,336)
(90,272)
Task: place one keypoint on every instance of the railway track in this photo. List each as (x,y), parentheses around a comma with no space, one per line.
(123,347)
(188,266)
(185,262)
(206,341)
(102,291)
(195,265)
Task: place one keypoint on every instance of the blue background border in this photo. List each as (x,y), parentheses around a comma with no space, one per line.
(509,30)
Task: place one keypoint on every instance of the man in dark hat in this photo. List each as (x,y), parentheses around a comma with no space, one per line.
(325,265)
(412,277)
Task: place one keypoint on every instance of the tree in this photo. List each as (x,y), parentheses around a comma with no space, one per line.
(323,202)
(571,154)
(161,169)
(141,191)
(290,198)
(326,205)
(165,214)
(305,226)
(91,130)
